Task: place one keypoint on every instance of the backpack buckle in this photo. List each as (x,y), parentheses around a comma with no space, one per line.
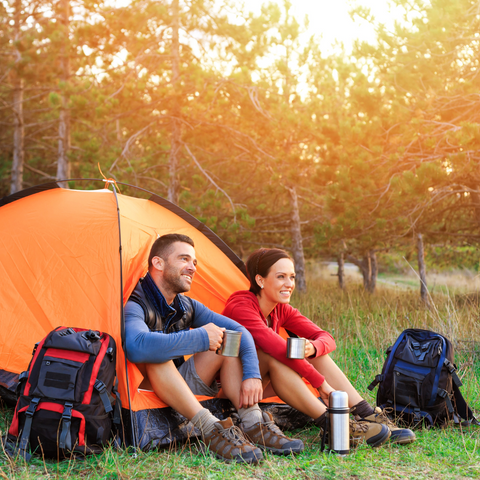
(99,386)
(450,367)
(32,407)
(109,353)
(67,411)
(444,394)
(91,335)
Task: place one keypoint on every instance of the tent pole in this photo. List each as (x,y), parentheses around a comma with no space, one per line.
(122,326)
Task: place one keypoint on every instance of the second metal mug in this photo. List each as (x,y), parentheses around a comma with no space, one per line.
(231,344)
(296,348)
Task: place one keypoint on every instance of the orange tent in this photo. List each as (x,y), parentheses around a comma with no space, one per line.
(61,264)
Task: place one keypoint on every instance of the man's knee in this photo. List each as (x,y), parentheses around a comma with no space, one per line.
(209,361)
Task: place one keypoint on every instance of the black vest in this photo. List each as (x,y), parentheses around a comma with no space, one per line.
(156,323)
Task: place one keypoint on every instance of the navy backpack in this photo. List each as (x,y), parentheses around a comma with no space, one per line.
(419,381)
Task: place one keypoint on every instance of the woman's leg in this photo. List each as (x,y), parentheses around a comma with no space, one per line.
(336,378)
(289,386)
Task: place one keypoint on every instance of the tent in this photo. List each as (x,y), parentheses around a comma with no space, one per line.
(73,257)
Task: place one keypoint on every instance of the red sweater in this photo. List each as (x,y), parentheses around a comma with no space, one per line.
(244,308)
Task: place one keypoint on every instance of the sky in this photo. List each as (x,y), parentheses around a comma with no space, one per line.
(330,19)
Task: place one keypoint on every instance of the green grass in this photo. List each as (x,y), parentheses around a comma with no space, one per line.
(363,326)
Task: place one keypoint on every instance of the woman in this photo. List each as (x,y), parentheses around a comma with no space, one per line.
(263,310)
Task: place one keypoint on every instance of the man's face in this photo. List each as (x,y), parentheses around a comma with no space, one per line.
(180,267)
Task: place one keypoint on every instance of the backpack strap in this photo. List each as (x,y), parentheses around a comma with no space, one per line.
(117,410)
(325,430)
(22,378)
(417,414)
(65,436)
(444,394)
(452,369)
(101,388)
(462,407)
(25,438)
(378,378)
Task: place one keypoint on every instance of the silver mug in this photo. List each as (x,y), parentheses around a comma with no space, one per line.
(231,343)
(296,348)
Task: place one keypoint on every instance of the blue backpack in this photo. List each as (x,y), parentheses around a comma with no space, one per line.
(419,381)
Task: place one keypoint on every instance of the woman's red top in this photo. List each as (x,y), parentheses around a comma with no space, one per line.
(244,308)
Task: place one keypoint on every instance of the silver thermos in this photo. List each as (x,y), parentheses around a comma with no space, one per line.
(339,419)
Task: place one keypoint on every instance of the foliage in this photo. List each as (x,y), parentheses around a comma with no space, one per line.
(379,144)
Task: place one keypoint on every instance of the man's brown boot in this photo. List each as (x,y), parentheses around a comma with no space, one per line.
(228,444)
(268,436)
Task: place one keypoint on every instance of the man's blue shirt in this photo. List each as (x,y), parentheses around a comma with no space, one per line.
(146,346)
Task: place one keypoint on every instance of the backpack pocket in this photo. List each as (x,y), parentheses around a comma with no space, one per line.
(58,375)
(407,384)
(420,352)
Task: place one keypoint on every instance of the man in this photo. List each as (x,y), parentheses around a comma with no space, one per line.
(162,326)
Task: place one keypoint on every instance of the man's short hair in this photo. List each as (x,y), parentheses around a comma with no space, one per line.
(162,246)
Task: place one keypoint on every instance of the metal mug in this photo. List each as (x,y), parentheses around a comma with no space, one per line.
(339,420)
(231,343)
(296,348)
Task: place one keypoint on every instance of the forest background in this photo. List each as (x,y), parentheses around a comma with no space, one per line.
(367,155)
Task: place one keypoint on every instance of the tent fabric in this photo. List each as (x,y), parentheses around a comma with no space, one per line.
(60,265)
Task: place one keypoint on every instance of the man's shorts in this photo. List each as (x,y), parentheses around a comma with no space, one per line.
(196,384)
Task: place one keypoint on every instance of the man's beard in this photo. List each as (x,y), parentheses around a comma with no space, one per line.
(172,277)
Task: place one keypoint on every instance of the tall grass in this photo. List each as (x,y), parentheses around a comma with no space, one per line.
(363,326)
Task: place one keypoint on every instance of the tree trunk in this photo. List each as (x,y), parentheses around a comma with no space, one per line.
(368,268)
(16,183)
(175,144)
(297,242)
(373,271)
(341,270)
(63,164)
(422,271)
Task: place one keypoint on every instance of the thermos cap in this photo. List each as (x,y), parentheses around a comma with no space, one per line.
(338,399)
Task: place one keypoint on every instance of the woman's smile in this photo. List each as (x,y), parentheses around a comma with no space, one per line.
(278,285)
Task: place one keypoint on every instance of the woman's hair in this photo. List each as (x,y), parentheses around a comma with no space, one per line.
(260,262)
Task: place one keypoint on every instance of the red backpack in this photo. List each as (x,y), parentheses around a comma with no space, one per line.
(65,402)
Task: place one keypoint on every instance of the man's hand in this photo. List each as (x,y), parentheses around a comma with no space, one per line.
(215,336)
(251,392)
(310,350)
(324,390)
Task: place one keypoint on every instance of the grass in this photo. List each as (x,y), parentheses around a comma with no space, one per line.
(363,326)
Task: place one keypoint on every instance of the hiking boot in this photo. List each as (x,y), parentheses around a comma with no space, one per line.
(228,444)
(400,436)
(374,434)
(268,436)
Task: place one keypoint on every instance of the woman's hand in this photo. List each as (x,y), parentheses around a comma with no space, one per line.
(324,390)
(310,349)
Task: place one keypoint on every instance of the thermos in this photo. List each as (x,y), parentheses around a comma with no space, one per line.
(338,415)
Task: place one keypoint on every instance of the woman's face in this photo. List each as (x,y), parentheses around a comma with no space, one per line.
(279,283)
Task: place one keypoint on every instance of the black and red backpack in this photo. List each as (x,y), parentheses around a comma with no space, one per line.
(65,403)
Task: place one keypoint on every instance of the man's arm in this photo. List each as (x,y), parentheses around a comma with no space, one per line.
(248,352)
(144,346)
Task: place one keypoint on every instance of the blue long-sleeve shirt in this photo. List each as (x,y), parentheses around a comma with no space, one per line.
(145,346)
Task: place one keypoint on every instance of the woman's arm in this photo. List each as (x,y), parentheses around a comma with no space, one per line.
(269,341)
